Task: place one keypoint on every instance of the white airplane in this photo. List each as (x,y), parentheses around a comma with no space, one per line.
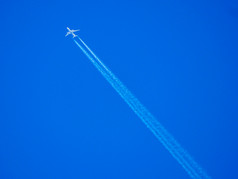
(71,32)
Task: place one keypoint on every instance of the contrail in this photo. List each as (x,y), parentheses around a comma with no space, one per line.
(167,140)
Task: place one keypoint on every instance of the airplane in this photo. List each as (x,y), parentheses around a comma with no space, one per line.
(71,32)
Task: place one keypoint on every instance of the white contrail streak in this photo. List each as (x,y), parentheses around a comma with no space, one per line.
(168,141)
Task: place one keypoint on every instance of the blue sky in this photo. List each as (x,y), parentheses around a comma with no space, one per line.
(59,118)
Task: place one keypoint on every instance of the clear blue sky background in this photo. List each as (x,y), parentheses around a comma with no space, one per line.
(59,118)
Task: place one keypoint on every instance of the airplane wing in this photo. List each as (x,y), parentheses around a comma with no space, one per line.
(67,34)
(74,30)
